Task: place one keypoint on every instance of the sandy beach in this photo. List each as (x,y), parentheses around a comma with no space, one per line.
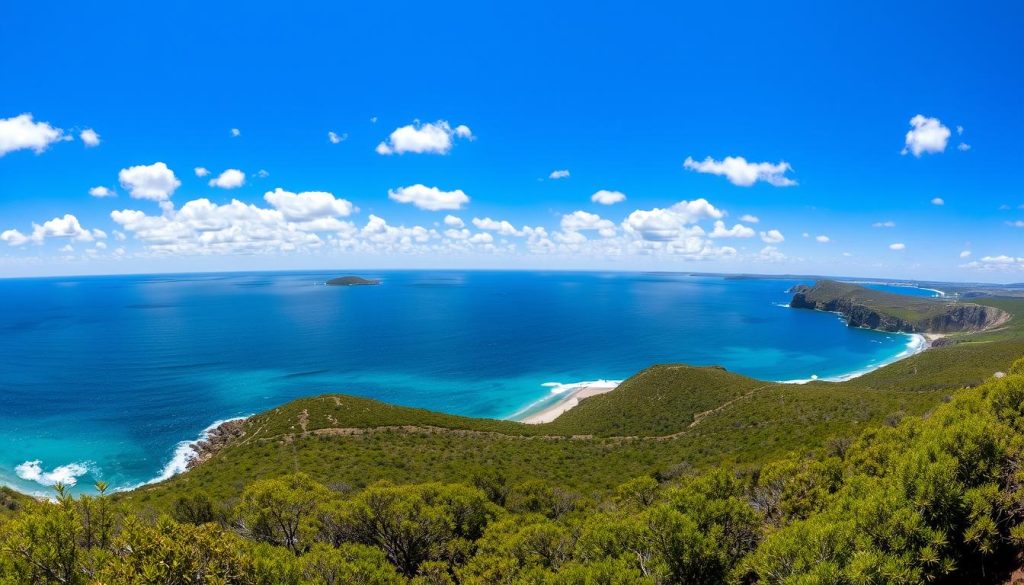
(570,396)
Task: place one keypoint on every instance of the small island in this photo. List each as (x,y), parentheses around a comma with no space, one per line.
(352,281)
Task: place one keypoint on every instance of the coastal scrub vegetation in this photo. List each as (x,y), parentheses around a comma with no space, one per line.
(937,498)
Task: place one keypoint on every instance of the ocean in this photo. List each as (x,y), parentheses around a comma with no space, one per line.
(107,377)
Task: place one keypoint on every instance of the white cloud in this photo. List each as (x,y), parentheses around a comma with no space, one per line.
(996,263)
(481,238)
(578,221)
(884,224)
(13,237)
(696,210)
(898,246)
(750,218)
(559,174)
(737,231)
(58,227)
(309,205)
(235,132)
(938,201)
(429,138)
(963,147)
(89,137)
(772,237)
(202,171)
(20,132)
(743,173)
(927,135)
(64,474)
(336,138)
(155,182)
(429,198)
(606,197)
(229,179)
(492,225)
(771,254)
(656,225)
(203,227)
(454,222)
(666,225)
(102,191)
(822,239)
(262,173)
(965,254)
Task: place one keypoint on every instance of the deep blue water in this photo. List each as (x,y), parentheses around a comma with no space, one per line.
(101,377)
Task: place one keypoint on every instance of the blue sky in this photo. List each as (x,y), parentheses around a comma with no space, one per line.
(485,102)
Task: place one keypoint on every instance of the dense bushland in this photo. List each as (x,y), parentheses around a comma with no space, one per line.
(935,499)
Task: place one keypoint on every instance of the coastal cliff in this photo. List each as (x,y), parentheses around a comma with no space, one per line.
(872,309)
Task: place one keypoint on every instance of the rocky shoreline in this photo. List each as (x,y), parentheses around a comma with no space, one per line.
(215,440)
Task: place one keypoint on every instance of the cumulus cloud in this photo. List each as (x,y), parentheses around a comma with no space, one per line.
(309,205)
(736,231)
(559,174)
(662,225)
(822,239)
(430,138)
(965,254)
(606,197)
(772,237)
(938,201)
(102,191)
(155,182)
(21,133)
(750,218)
(963,147)
(201,171)
(429,198)
(898,246)
(63,474)
(235,132)
(492,225)
(578,221)
(771,254)
(926,136)
(454,222)
(89,137)
(742,173)
(67,227)
(229,179)
(1000,263)
(336,138)
(884,224)
(203,227)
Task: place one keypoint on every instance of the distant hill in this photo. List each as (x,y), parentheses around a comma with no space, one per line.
(875,309)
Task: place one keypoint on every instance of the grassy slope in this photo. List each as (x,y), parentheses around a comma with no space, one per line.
(663,419)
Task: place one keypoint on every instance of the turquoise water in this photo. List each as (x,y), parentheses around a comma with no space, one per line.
(103,377)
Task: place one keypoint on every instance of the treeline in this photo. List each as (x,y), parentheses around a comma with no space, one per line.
(934,499)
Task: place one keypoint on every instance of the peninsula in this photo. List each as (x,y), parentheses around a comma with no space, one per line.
(883,311)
